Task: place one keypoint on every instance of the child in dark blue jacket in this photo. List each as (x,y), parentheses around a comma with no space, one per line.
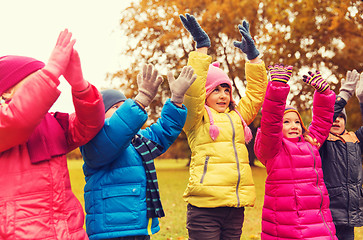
(341,156)
(121,192)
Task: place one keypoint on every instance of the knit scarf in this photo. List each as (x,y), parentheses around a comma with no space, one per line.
(149,150)
(49,138)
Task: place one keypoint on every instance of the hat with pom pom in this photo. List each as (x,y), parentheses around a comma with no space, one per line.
(216,77)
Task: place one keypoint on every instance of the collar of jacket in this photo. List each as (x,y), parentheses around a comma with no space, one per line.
(345,137)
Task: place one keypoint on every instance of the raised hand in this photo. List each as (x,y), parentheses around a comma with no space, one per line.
(359,89)
(179,86)
(73,73)
(316,81)
(247,45)
(148,83)
(193,27)
(348,85)
(59,58)
(279,73)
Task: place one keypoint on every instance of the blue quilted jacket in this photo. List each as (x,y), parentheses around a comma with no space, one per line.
(115,190)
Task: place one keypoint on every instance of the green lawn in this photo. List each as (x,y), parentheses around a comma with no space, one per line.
(173,178)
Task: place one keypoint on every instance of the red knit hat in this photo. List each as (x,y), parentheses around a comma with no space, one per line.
(13,69)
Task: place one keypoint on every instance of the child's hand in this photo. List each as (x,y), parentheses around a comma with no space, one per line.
(247,45)
(348,85)
(148,83)
(193,27)
(179,86)
(60,55)
(280,73)
(317,82)
(73,73)
(359,89)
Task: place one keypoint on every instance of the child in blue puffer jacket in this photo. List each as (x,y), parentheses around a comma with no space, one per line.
(121,193)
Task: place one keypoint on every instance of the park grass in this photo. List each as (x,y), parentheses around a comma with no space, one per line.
(173,177)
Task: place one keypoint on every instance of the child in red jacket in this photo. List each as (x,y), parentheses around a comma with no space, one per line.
(36,200)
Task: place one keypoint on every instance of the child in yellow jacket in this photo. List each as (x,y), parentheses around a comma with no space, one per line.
(220,183)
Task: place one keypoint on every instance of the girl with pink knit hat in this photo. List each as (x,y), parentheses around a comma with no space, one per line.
(36,200)
(220,184)
(296,202)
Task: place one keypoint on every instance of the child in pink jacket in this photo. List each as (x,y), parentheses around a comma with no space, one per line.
(36,199)
(296,202)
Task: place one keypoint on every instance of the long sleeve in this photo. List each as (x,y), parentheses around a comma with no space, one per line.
(88,118)
(323,111)
(250,104)
(168,126)
(269,137)
(115,136)
(25,111)
(195,96)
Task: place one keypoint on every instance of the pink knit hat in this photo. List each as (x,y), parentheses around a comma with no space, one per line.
(13,69)
(215,77)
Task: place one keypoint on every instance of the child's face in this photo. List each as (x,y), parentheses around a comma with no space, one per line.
(113,109)
(291,127)
(338,126)
(219,98)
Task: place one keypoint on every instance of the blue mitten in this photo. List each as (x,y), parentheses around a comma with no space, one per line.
(247,45)
(193,27)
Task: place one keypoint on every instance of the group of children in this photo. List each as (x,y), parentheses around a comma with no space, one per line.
(314,184)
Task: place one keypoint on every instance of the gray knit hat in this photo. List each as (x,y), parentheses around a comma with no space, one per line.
(111,97)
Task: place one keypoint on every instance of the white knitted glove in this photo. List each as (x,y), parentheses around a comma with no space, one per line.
(348,85)
(359,89)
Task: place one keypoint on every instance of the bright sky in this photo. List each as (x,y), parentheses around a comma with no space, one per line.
(31,28)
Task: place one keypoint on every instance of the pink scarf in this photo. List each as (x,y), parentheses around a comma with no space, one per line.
(49,138)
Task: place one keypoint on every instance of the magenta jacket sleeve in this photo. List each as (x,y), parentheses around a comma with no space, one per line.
(30,103)
(88,118)
(323,111)
(269,137)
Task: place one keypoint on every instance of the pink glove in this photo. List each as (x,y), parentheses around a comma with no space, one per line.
(60,55)
(73,73)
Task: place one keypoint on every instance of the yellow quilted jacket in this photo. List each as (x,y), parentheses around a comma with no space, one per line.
(220,175)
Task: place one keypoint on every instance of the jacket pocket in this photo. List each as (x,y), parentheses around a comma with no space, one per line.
(7,219)
(121,204)
(204,169)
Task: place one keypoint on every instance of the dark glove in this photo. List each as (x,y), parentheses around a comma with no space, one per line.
(280,73)
(247,45)
(193,27)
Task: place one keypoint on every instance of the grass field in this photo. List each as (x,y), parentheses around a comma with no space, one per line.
(173,178)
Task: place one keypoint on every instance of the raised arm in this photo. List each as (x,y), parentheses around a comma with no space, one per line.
(323,107)
(199,61)
(269,137)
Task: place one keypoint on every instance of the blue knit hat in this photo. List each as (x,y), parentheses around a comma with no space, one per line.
(111,97)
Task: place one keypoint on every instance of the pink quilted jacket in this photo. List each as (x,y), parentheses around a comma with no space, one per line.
(296,202)
(36,200)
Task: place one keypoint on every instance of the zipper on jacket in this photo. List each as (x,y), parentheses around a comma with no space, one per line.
(236,157)
(205,168)
(321,193)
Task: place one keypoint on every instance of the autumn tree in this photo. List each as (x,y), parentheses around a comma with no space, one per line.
(308,34)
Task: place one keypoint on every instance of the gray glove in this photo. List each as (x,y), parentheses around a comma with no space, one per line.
(348,85)
(148,83)
(359,89)
(179,86)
